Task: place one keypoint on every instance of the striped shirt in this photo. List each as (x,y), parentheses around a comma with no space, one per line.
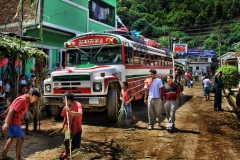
(171,91)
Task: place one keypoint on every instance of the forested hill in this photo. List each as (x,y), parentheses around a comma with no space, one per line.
(193,18)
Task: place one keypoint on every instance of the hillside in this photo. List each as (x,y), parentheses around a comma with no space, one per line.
(205,24)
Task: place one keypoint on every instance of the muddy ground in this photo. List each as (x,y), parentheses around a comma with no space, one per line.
(200,133)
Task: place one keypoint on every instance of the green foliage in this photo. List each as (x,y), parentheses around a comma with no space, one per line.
(140,24)
(164,42)
(207,22)
(25,51)
(211,41)
(230,75)
(139,8)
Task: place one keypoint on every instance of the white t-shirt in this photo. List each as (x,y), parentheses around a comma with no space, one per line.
(154,88)
(2,95)
(23,82)
(206,82)
(7,88)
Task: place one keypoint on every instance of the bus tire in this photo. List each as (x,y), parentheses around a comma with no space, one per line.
(56,111)
(112,105)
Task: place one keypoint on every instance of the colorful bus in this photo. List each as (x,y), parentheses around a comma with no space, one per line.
(94,66)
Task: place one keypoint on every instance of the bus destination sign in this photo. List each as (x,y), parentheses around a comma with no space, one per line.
(95,40)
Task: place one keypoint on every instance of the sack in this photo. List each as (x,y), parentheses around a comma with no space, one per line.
(211,89)
(121,112)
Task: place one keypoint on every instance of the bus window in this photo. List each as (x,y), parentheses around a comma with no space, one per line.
(128,55)
(72,58)
(148,62)
(108,55)
(156,60)
(142,59)
(152,60)
(136,58)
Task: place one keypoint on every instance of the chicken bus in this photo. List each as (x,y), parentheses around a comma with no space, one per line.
(94,66)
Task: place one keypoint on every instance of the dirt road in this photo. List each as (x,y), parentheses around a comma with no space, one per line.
(200,133)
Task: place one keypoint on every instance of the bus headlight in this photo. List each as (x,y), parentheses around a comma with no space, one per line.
(97,86)
(47,88)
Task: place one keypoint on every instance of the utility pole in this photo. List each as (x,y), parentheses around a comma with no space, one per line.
(219,47)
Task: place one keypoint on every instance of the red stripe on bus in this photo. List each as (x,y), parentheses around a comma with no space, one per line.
(77,90)
(107,80)
(95,67)
(147,67)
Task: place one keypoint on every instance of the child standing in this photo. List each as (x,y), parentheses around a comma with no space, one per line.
(126,98)
(191,83)
(74,110)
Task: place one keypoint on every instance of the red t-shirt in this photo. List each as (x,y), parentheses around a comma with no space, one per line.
(171,94)
(188,75)
(75,122)
(19,105)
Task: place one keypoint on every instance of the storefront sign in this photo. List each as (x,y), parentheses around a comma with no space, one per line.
(198,53)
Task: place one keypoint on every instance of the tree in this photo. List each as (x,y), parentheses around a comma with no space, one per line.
(12,48)
(230,76)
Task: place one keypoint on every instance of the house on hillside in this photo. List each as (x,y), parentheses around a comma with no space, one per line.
(60,20)
(231,58)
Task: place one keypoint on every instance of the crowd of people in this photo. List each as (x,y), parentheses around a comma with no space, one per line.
(168,96)
(158,95)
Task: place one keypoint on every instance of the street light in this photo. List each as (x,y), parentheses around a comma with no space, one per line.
(173,39)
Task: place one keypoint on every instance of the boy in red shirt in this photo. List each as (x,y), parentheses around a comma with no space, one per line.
(13,121)
(75,113)
(171,92)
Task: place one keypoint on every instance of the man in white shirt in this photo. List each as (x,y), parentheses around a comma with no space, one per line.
(153,88)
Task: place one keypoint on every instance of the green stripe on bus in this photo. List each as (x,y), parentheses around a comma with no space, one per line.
(139,75)
(85,65)
(72,78)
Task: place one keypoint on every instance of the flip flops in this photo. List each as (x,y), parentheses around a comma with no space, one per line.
(63,156)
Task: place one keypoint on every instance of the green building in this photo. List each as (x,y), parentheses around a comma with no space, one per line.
(64,19)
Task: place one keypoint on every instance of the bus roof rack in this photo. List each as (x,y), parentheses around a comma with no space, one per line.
(125,34)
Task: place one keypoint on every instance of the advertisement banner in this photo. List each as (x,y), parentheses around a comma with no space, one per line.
(198,53)
(180,48)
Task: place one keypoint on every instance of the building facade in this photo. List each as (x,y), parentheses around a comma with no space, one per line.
(56,21)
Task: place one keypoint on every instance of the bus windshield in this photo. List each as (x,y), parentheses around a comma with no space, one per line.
(100,55)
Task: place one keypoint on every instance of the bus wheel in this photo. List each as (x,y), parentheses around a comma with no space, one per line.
(112,105)
(56,111)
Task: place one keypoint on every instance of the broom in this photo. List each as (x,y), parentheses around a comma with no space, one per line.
(67,132)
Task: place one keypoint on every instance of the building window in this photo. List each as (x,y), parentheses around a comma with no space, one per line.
(102,12)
